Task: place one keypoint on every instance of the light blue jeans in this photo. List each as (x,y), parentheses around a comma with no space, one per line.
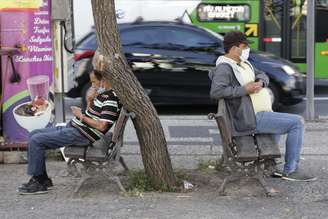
(50,138)
(280,124)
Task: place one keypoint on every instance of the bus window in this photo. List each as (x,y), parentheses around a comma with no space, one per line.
(272,22)
(321,30)
(298,30)
(273,27)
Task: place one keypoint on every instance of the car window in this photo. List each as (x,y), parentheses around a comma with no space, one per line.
(187,37)
(166,36)
(142,36)
(88,43)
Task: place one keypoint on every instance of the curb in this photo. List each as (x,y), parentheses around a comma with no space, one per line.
(12,157)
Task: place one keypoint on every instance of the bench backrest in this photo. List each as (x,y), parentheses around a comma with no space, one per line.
(118,134)
(119,127)
(224,123)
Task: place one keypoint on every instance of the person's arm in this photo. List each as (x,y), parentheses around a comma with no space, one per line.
(109,111)
(91,95)
(99,125)
(221,84)
(260,76)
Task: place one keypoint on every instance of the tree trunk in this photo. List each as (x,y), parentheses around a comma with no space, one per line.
(149,130)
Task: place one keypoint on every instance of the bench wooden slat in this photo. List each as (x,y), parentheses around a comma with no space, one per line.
(223,122)
(120,124)
(246,149)
(267,146)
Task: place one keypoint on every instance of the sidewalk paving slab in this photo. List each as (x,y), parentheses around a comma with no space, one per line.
(101,199)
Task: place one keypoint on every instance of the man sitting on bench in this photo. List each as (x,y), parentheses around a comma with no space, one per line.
(249,103)
(85,128)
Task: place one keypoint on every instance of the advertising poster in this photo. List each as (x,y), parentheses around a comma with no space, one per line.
(14,5)
(27,73)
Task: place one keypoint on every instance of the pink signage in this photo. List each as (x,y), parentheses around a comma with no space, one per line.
(27,73)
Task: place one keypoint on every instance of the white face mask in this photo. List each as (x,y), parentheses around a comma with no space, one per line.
(245,54)
(101,89)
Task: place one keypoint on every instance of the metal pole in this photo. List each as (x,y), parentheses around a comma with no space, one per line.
(62,93)
(261,25)
(59,94)
(310,35)
(286,31)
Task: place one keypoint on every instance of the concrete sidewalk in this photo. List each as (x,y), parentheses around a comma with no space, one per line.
(187,144)
(192,139)
(101,199)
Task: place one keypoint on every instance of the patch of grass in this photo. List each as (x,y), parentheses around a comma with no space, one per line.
(210,165)
(205,165)
(219,164)
(138,182)
(181,175)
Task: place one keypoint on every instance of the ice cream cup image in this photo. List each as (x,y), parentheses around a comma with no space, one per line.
(35,120)
(35,114)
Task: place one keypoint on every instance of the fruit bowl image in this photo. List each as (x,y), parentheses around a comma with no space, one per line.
(30,116)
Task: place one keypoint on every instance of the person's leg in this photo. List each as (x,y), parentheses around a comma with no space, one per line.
(62,136)
(284,123)
(277,138)
(37,131)
(44,130)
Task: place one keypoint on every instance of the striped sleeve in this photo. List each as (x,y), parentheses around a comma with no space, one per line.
(109,110)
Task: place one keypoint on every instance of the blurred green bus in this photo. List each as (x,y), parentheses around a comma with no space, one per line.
(275,26)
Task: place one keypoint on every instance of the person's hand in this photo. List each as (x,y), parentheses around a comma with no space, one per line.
(76,111)
(259,86)
(253,87)
(91,95)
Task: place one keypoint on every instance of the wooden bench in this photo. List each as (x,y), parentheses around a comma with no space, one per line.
(101,157)
(245,156)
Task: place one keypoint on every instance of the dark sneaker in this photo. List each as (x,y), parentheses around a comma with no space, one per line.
(32,187)
(298,176)
(48,183)
(24,185)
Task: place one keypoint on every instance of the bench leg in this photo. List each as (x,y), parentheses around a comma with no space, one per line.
(227,180)
(122,162)
(269,191)
(116,179)
(84,178)
(72,169)
(118,182)
(270,167)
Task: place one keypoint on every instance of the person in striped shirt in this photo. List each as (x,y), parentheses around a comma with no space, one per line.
(101,114)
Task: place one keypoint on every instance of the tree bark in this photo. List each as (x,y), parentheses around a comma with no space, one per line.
(110,59)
